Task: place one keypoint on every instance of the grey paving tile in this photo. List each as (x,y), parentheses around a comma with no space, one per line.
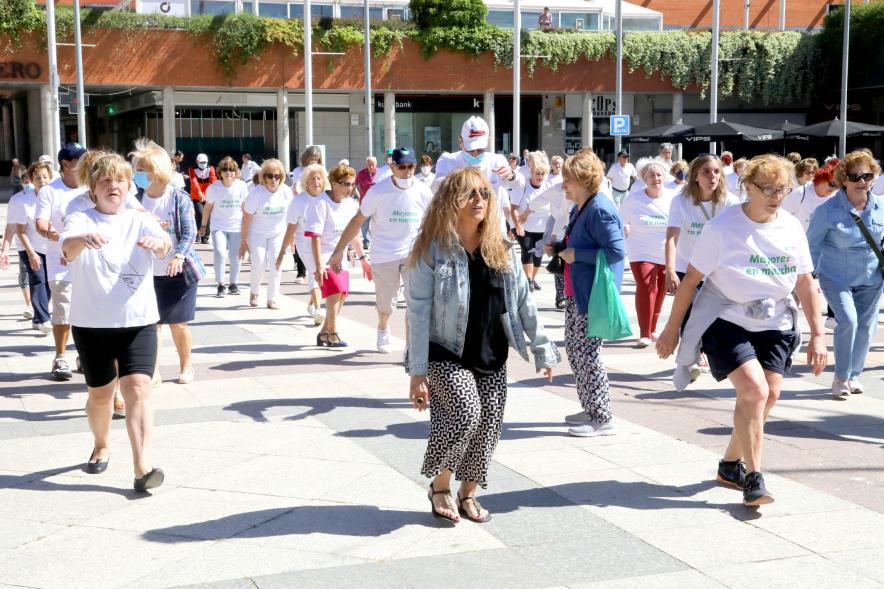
(231,584)
(367,576)
(489,569)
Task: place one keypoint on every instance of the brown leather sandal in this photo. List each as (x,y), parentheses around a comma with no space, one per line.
(464,513)
(438,515)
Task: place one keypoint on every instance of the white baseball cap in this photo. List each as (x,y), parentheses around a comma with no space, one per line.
(202,159)
(474,134)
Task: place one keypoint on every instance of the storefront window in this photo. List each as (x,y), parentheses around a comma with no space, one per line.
(296,10)
(529,20)
(357,12)
(273,10)
(500,18)
(212,7)
(641,24)
(582,21)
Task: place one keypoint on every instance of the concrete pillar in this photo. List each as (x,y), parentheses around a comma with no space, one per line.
(6,132)
(169,119)
(47,129)
(783,15)
(677,116)
(255,7)
(586,125)
(488,115)
(18,129)
(283,146)
(389,120)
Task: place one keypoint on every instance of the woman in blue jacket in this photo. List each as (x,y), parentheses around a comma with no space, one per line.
(594,225)
(468,303)
(848,269)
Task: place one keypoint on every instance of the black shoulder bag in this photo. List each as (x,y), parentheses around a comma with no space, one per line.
(557,264)
(871,241)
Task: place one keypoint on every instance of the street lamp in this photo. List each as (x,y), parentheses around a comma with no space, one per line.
(618,76)
(713,92)
(842,143)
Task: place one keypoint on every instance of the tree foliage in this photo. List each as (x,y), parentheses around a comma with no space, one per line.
(428,14)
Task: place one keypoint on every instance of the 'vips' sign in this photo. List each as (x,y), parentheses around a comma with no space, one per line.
(16,70)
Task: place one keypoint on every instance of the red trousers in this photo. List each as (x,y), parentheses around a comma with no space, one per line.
(650,290)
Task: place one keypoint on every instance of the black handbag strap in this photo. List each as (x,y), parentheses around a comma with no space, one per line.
(574,222)
(870,240)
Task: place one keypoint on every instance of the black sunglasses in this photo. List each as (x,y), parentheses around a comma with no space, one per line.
(867,177)
(272,176)
(483,192)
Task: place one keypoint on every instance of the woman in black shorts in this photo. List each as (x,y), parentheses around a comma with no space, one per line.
(110,250)
(752,257)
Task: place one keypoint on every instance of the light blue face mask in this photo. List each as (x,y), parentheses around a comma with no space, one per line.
(27,187)
(474,160)
(141,180)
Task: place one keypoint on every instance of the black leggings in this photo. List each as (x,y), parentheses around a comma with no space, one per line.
(133,348)
(528,242)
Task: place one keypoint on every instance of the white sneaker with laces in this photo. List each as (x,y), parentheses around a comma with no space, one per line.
(384,341)
(855,386)
(316,314)
(840,388)
(592,429)
(644,342)
(577,418)
(27,313)
(186,376)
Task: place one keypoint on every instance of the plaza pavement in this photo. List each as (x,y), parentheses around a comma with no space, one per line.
(293,466)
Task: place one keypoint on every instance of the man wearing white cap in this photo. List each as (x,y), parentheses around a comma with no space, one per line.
(201,177)
(473,142)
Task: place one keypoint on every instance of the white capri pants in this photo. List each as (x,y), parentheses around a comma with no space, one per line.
(262,253)
(388,276)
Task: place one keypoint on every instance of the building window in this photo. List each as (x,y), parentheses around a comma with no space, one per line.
(588,21)
(500,18)
(529,20)
(296,10)
(273,10)
(212,7)
(641,24)
(357,12)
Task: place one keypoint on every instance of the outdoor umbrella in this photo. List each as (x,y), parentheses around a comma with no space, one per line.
(724,131)
(665,133)
(832,129)
(786,126)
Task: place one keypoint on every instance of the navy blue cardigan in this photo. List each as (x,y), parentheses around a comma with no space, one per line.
(599,227)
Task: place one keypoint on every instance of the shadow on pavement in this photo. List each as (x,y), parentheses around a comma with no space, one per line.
(331,357)
(34,481)
(339,520)
(865,429)
(314,406)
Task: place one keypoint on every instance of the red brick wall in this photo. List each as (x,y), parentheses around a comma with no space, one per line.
(763,13)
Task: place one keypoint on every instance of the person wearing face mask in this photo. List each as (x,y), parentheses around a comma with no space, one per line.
(176,275)
(426,174)
(645,215)
(474,139)
(32,277)
(201,177)
(849,270)
(679,173)
(395,207)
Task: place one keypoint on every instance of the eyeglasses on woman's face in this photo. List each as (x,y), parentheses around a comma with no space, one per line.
(347,184)
(228,170)
(276,177)
(773,190)
(863,177)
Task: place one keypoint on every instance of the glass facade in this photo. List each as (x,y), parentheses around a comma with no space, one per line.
(273,10)
(641,24)
(357,12)
(212,6)
(296,10)
(582,21)
(500,18)
(529,20)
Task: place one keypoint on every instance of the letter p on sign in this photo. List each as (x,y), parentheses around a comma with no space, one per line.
(620,125)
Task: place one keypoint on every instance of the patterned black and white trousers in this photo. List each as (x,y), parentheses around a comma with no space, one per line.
(466,416)
(584,355)
(560,287)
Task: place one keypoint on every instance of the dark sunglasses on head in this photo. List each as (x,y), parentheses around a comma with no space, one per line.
(272,176)
(867,177)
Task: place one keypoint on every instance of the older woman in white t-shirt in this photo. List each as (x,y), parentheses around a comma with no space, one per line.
(529,221)
(110,252)
(314,179)
(327,217)
(263,227)
(752,256)
(645,214)
(223,206)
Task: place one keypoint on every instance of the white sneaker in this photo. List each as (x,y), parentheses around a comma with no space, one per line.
(186,376)
(44,328)
(301,280)
(384,341)
(27,313)
(592,429)
(855,386)
(577,418)
(314,312)
(831,323)
(695,372)
(644,342)
(840,388)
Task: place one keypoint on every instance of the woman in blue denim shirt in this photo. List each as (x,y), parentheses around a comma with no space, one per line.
(595,225)
(848,269)
(468,303)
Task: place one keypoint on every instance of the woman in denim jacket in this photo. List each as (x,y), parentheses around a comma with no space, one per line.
(847,267)
(594,225)
(468,303)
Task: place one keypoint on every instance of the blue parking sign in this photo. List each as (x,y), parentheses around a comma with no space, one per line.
(620,125)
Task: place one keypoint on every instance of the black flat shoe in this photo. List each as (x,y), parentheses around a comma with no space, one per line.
(464,513)
(151,480)
(96,467)
(322,340)
(433,492)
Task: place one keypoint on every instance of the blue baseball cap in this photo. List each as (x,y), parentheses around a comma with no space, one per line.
(71,151)
(403,156)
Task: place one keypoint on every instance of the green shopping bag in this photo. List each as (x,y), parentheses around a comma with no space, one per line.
(606,317)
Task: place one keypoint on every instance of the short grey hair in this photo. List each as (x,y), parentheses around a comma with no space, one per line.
(666,146)
(371,160)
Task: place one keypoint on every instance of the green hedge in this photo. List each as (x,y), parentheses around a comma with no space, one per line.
(776,67)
